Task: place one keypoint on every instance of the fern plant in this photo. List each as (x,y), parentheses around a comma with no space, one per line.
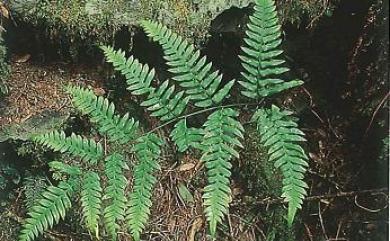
(261,54)
(101,176)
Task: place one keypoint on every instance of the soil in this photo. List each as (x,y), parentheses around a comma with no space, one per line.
(35,87)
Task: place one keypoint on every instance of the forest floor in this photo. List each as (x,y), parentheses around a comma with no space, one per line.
(348,188)
(333,211)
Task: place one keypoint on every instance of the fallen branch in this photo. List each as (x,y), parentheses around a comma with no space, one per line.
(370,192)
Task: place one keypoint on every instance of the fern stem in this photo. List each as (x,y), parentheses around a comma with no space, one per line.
(204,111)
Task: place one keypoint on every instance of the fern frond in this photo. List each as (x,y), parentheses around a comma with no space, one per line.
(115,193)
(147,151)
(102,112)
(162,102)
(65,168)
(138,76)
(33,187)
(279,133)
(185,137)
(261,57)
(49,210)
(191,71)
(91,195)
(223,132)
(86,149)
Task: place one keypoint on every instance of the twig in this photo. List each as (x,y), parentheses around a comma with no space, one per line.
(373,192)
(230,227)
(369,209)
(309,234)
(322,221)
(376,112)
(339,228)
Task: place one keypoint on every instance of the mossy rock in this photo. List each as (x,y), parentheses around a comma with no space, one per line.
(44,122)
(99,20)
(4,66)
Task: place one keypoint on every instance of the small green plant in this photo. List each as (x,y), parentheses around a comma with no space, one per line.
(101,176)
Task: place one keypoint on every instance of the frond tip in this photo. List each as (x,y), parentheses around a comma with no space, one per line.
(161,101)
(147,151)
(261,56)
(280,135)
(222,134)
(193,73)
(138,76)
(102,112)
(115,193)
(91,195)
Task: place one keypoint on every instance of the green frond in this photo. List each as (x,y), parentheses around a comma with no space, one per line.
(261,56)
(222,134)
(47,211)
(115,192)
(86,149)
(33,187)
(102,112)
(64,168)
(193,72)
(147,151)
(185,137)
(91,200)
(280,135)
(138,76)
(162,102)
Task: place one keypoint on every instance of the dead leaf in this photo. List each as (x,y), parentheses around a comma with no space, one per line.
(4,10)
(99,91)
(186,167)
(237,191)
(21,58)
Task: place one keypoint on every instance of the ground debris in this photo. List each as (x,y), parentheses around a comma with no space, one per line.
(34,89)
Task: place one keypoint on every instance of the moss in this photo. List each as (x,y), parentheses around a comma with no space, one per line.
(4,66)
(99,20)
(306,12)
(41,123)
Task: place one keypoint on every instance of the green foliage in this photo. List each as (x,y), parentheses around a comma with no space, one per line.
(115,193)
(192,72)
(222,134)
(102,112)
(64,168)
(86,149)
(101,196)
(49,210)
(280,135)
(185,137)
(261,55)
(33,187)
(218,139)
(91,201)
(147,151)
(139,78)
